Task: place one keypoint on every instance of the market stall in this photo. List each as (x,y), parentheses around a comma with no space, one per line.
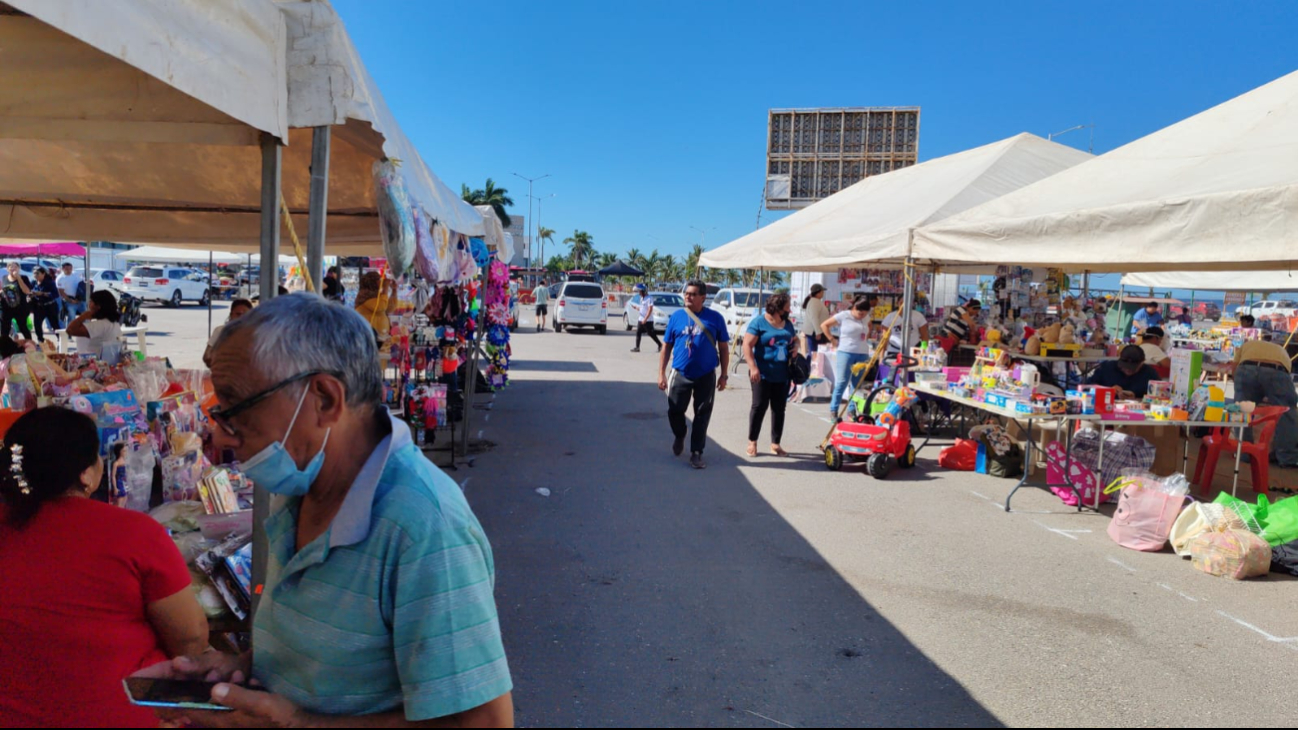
(273,140)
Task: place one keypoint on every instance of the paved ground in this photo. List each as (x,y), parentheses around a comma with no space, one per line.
(765,592)
(769,592)
(181,334)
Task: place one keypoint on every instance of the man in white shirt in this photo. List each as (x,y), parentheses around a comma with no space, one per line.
(918,330)
(69,282)
(646,320)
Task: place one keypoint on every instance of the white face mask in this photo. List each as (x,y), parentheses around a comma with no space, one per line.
(274,469)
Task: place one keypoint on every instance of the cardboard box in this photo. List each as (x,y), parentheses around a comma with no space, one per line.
(1105,399)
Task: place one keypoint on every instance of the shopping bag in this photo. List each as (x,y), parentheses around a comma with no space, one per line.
(1235,554)
(1279,520)
(1144,517)
(1284,558)
(963,456)
(1060,471)
(1198,518)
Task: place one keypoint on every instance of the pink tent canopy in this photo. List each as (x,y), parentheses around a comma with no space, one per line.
(66,248)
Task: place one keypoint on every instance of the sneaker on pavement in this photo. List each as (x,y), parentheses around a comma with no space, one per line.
(678,446)
(696,461)
(635,349)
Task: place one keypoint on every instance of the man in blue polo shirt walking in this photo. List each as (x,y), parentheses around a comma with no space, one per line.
(696,343)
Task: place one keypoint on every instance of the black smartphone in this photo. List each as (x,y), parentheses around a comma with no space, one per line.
(182,694)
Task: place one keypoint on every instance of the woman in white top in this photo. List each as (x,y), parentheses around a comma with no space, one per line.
(98,325)
(238,308)
(814,314)
(853,343)
(918,330)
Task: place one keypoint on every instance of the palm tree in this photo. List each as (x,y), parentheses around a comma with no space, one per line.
(583,247)
(692,261)
(497,198)
(651,264)
(668,268)
(635,258)
(605,260)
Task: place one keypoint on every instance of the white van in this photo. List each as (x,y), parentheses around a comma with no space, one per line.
(580,304)
(739,306)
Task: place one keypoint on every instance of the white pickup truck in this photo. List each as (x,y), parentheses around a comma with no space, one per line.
(1284,307)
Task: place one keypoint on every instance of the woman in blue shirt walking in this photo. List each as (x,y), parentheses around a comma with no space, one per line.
(768,343)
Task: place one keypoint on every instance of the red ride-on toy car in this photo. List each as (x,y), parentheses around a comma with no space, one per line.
(882,444)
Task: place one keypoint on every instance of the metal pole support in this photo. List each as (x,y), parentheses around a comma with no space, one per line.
(271,160)
(319,206)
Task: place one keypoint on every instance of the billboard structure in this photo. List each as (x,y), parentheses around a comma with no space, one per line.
(813,153)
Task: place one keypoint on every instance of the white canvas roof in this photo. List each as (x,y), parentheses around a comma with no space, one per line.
(157,254)
(870,222)
(1259,281)
(139,120)
(1216,191)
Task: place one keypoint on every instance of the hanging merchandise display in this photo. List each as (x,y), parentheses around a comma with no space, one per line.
(426,259)
(498,350)
(396,220)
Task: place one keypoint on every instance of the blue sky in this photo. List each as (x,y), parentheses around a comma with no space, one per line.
(651,117)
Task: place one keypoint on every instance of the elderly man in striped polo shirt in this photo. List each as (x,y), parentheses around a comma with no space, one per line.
(378,609)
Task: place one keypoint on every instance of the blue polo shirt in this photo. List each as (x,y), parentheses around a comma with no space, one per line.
(392,608)
(692,352)
(1142,319)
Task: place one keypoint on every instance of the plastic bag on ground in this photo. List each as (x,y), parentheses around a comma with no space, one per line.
(963,456)
(1235,554)
(1198,518)
(1145,515)
(1284,558)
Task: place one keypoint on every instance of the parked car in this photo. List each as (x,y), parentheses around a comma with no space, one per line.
(665,305)
(580,304)
(170,285)
(106,279)
(28,268)
(739,306)
(1282,307)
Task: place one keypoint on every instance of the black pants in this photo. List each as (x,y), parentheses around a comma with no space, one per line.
(7,315)
(776,396)
(647,328)
(42,313)
(703,390)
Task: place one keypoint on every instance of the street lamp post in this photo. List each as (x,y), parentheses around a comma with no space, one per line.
(530,180)
(538,222)
(1090,147)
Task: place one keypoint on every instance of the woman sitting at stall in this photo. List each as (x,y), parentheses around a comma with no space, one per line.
(98,325)
(92,593)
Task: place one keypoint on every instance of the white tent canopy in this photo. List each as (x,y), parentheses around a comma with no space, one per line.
(139,120)
(1235,281)
(1217,191)
(870,222)
(157,254)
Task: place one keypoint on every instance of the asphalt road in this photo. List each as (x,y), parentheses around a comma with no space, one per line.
(770,592)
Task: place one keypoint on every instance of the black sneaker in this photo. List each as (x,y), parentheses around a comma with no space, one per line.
(635,349)
(696,461)
(678,446)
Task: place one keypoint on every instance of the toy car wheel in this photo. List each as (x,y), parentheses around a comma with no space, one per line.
(833,459)
(907,460)
(880,465)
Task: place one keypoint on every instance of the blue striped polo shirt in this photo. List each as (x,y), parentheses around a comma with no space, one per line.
(392,608)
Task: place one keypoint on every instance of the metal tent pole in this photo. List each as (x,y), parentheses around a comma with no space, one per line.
(319,206)
(271,160)
(210,271)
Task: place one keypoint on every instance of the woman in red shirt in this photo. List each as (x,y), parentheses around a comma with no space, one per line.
(89,593)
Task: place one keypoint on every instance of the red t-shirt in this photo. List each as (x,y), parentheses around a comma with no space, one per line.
(74,583)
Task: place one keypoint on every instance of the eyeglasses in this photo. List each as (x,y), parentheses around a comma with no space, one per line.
(224,417)
(693,294)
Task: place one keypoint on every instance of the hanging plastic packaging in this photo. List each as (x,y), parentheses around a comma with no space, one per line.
(425,246)
(396,220)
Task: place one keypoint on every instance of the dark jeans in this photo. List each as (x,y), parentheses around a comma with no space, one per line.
(776,396)
(646,328)
(42,313)
(1272,387)
(7,316)
(703,390)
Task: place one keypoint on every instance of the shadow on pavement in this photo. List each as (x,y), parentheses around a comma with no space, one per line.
(644,593)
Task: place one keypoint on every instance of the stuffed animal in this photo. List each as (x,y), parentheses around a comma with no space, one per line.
(1033,345)
(1050,335)
(1028,334)
(1068,334)
(991,338)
